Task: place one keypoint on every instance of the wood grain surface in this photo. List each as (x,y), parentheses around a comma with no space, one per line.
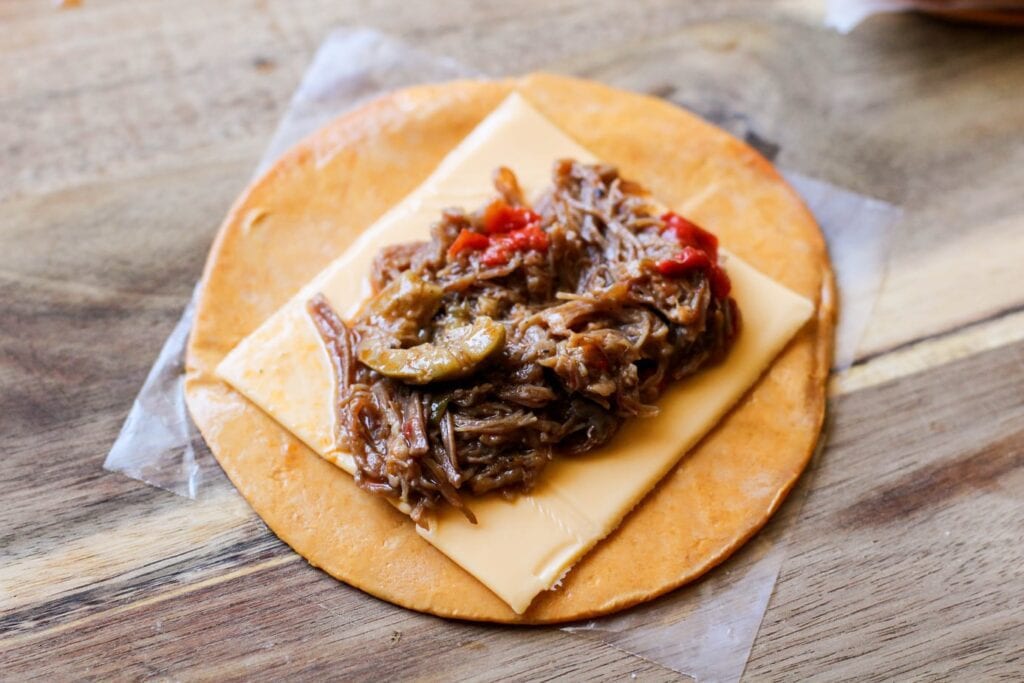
(128,127)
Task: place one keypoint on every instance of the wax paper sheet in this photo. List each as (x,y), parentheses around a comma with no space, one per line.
(705,630)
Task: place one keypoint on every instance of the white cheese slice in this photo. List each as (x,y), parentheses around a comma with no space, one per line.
(522,547)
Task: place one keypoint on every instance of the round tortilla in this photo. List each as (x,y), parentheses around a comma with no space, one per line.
(310,206)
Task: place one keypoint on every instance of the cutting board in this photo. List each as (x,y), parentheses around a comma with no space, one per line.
(127,130)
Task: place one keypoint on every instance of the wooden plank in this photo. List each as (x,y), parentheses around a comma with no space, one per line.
(130,126)
(931,352)
(908,559)
(195,77)
(291,620)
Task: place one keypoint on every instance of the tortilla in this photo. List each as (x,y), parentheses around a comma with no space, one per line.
(317,198)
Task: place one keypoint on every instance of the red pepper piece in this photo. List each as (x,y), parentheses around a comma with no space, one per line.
(690,258)
(468,241)
(721,285)
(691,234)
(496,255)
(503,245)
(531,237)
(500,217)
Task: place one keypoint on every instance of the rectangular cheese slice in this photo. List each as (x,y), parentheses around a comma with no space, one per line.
(522,547)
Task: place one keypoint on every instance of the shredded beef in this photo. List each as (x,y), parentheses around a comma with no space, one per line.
(519,333)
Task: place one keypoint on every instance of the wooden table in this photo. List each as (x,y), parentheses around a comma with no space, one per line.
(127,128)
